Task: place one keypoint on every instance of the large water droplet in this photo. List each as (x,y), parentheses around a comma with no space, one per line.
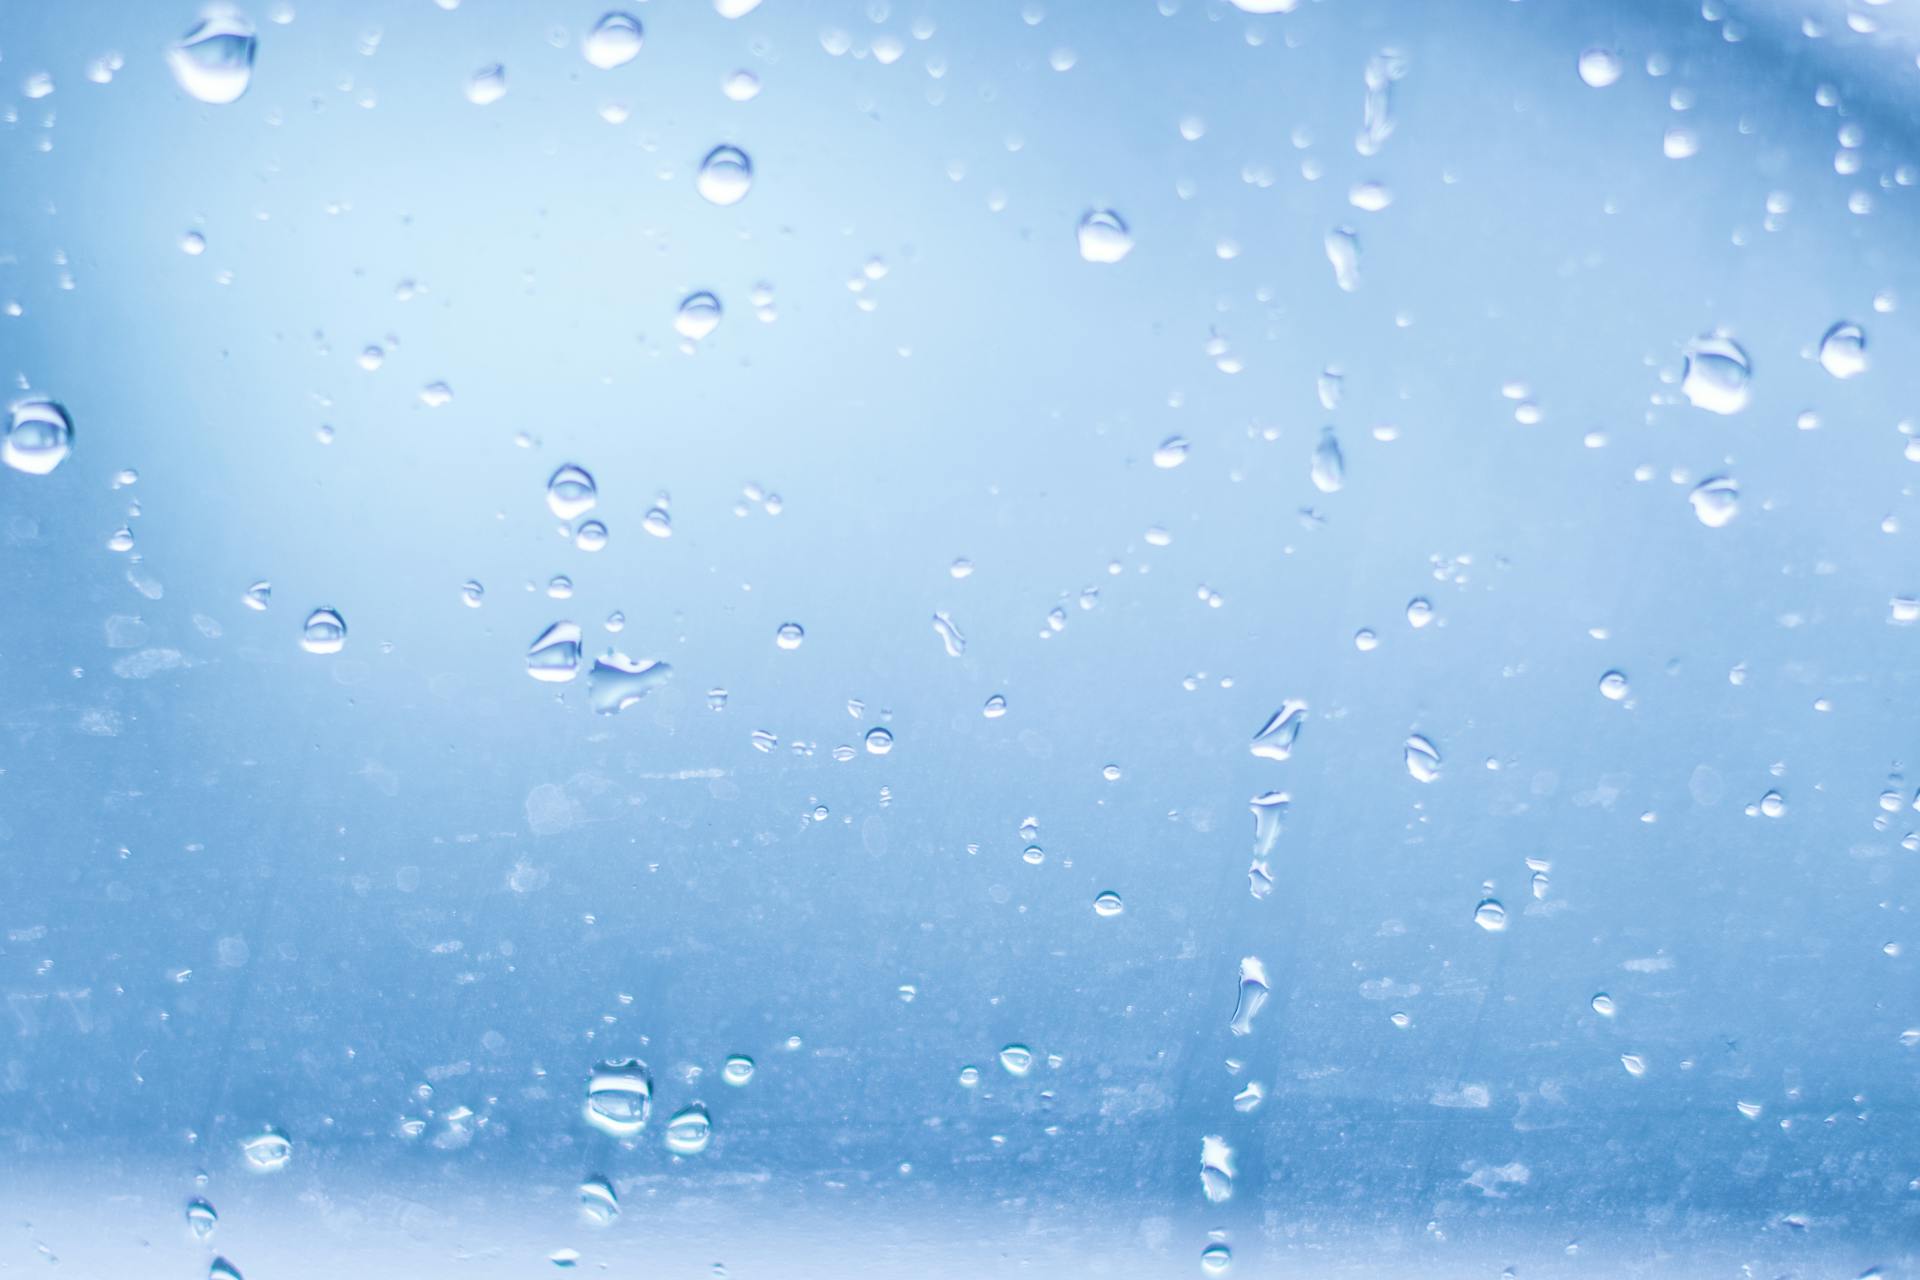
(39,437)
(1252,995)
(617,681)
(1017,1059)
(737,1070)
(1276,737)
(725,177)
(879,741)
(1423,759)
(699,315)
(1216,1168)
(1490,915)
(690,1130)
(1613,686)
(213,62)
(599,1203)
(1717,375)
(1716,500)
(614,41)
(619,1097)
(1843,350)
(267,1150)
(1343,251)
(571,492)
(325,631)
(1329,464)
(1108,904)
(790,635)
(1599,67)
(1104,236)
(201,1219)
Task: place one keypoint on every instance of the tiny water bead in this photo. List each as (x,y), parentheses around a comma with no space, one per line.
(689,1131)
(1843,350)
(1490,915)
(39,437)
(879,741)
(699,315)
(1716,501)
(487,85)
(267,1151)
(725,177)
(213,61)
(324,631)
(1599,67)
(619,1097)
(1108,905)
(1717,375)
(554,655)
(1103,236)
(1017,1060)
(571,492)
(201,1218)
(738,1070)
(790,635)
(1422,758)
(614,41)
(1613,686)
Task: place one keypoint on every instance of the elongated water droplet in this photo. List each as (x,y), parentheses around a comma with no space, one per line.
(1843,350)
(1716,500)
(1108,904)
(614,41)
(956,644)
(325,631)
(1104,237)
(699,316)
(1216,1169)
(599,1202)
(617,681)
(487,85)
(1251,996)
(1634,1063)
(1276,737)
(1423,759)
(725,177)
(1717,375)
(1490,915)
(1599,67)
(39,437)
(1016,1059)
(1269,812)
(619,1097)
(1343,251)
(790,635)
(554,655)
(738,1070)
(689,1131)
(267,1150)
(1329,464)
(201,1219)
(571,492)
(213,62)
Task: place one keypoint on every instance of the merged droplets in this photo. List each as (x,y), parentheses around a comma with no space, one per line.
(699,315)
(213,61)
(1016,1059)
(1216,1169)
(554,655)
(1716,500)
(790,636)
(1843,350)
(690,1130)
(1490,915)
(725,177)
(614,41)
(324,631)
(1252,994)
(1423,759)
(487,85)
(39,437)
(1717,375)
(1276,737)
(619,1097)
(1329,464)
(571,492)
(267,1150)
(1104,237)
(1599,67)
(617,681)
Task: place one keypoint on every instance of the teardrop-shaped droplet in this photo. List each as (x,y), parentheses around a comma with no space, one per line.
(213,61)
(1329,464)
(571,492)
(1716,500)
(1423,759)
(699,315)
(614,41)
(1717,375)
(1843,350)
(325,631)
(554,655)
(725,177)
(617,681)
(201,1219)
(689,1131)
(1104,236)
(619,1097)
(221,1269)
(39,437)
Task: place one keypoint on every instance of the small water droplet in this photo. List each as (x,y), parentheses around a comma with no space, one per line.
(1017,1059)
(790,635)
(201,1219)
(1843,350)
(1252,994)
(699,315)
(741,86)
(738,1070)
(1603,1004)
(995,707)
(213,61)
(1104,237)
(1108,904)
(1171,453)
(39,437)
(554,655)
(325,631)
(1215,1259)
(267,1150)
(1365,640)
(221,1269)
(1773,805)
(590,536)
(879,741)
(571,492)
(1490,915)
(193,244)
(1423,759)
(726,175)
(1717,375)
(258,596)
(1329,464)
(614,41)
(689,1131)
(1634,1063)
(1716,500)
(1613,686)
(1599,67)
(1419,612)
(619,1097)
(1249,1098)
(487,86)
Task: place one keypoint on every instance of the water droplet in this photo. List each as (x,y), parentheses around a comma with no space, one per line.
(969,1077)
(738,1070)
(599,1203)
(1017,1059)
(617,681)
(995,707)
(1423,759)
(1171,453)
(1773,805)
(1216,1168)
(1843,350)
(1716,500)
(1108,904)
(614,41)
(879,741)
(590,536)
(1111,773)
(1680,143)
(741,86)
(1369,197)
(1104,237)
(735,8)
(1419,612)
(1215,1259)
(699,316)
(1490,915)
(213,62)
(39,437)
(1599,67)
(690,1130)
(790,635)
(1329,465)
(564,1257)
(1365,640)
(325,631)
(950,636)
(1613,686)
(1603,1004)
(554,655)
(221,1269)
(201,1219)
(1717,375)
(571,492)
(1634,1063)
(267,1150)
(619,1097)
(725,177)
(1269,811)
(1751,1110)
(1343,251)
(1276,737)
(193,244)
(657,522)
(258,596)
(1252,995)
(487,86)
